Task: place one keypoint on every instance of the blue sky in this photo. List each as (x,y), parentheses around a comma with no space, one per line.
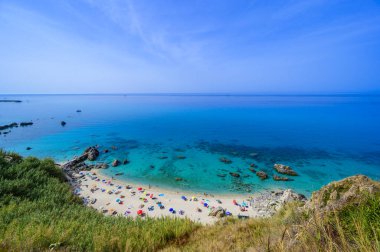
(125,46)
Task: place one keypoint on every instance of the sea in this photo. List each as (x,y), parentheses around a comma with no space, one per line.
(176,141)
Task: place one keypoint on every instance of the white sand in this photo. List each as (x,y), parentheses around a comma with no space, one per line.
(90,187)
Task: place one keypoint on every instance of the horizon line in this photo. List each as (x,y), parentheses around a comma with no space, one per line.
(376,93)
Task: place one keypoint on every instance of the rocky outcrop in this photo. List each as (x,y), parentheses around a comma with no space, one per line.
(284,169)
(77,163)
(267,204)
(115,163)
(24,124)
(92,153)
(289,195)
(9,126)
(218,212)
(262,175)
(337,195)
(63,123)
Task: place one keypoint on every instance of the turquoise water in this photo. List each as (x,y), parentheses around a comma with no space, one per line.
(323,138)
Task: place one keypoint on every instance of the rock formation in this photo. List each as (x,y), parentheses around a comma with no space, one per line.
(338,194)
(284,169)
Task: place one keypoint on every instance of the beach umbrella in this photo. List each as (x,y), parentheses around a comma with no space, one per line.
(234,201)
(205,205)
(171,209)
(184,198)
(151,196)
(139,189)
(140,212)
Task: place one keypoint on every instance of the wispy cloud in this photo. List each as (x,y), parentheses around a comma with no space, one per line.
(193,46)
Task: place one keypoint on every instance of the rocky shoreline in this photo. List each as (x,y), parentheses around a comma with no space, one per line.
(105,194)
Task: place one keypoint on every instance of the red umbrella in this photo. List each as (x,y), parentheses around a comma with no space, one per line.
(140,188)
(140,212)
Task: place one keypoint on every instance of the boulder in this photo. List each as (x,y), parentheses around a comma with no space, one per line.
(262,175)
(284,169)
(289,196)
(115,163)
(63,123)
(218,212)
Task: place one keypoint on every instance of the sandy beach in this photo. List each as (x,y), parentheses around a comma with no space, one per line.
(116,197)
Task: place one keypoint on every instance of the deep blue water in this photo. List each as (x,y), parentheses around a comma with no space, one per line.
(323,138)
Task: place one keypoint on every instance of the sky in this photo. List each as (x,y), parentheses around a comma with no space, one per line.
(199,46)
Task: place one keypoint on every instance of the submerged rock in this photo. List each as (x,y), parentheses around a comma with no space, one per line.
(63,123)
(28,148)
(126,161)
(178,179)
(284,169)
(234,174)
(278,178)
(181,157)
(221,175)
(252,170)
(262,175)
(225,160)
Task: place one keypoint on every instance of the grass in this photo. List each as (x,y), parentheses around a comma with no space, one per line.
(39,212)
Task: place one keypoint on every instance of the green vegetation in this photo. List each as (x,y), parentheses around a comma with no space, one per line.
(39,212)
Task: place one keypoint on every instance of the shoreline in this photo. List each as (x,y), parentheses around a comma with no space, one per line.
(112,196)
(183,191)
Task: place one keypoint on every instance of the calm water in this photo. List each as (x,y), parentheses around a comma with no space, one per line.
(324,138)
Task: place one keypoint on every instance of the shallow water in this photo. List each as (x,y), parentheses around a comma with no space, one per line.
(323,138)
